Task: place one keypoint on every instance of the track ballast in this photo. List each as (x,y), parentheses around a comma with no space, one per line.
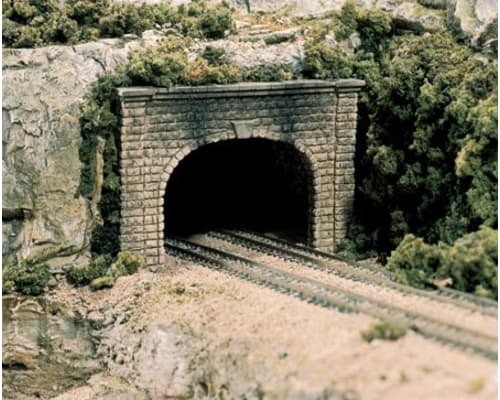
(222,251)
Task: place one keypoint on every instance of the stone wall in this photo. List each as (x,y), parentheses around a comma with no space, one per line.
(162,126)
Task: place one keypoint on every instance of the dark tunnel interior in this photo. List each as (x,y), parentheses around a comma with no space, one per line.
(251,184)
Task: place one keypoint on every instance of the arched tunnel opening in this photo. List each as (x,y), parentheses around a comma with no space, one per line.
(258,185)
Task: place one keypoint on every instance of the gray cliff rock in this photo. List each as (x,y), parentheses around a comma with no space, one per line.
(472,16)
(47,347)
(43,91)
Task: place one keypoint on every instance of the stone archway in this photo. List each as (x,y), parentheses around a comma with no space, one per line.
(160,127)
(256,183)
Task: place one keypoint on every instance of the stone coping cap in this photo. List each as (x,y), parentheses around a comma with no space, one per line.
(256,88)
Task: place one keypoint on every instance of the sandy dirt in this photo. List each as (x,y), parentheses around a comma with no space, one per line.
(290,346)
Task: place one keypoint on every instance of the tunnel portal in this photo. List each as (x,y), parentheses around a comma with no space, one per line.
(253,184)
(271,157)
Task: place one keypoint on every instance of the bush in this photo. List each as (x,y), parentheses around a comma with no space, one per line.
(104,282)
(415,262)
(31,23)
(28,278)
(269,73)
(215,23)
(214,56)
(472,263)
(126,263)
(160,65)
(323,61)
(98,267)
(469,264)
(200,72)
(103,270)
(384,331)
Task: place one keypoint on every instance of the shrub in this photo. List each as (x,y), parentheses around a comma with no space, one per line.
(199,72)
(384,331)
(422,157)
(30,23)
(214,56)
(323,61)
(216,22)
(269,73)
(98,267)
(126,263)
(104,282)
(347,23)
(160,65)
(472,263)
(415,262)
(103,270)
(28,278)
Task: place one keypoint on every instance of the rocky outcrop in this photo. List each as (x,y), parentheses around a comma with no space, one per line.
(472,17)
(46,348)
(414,17)
(43,91)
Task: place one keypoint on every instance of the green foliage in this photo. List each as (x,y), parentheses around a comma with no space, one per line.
(347,21)
(384,331)
(375,29)
(160,65)
(323,61)
(103,270)
(97,267)
(472,263)
(214,56)
(431,140)
(427,154)
(28,278)
(31,23)
(216,23)
(104,282)
(126,263)
(415,262)
(269,73)
(200,72)
(477,159)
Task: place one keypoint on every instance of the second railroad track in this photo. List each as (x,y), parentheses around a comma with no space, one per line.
(462,322)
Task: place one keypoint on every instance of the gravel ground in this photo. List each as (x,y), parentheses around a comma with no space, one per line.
(297,347)
(287,346)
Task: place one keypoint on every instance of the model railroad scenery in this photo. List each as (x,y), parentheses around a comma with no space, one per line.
(259,199)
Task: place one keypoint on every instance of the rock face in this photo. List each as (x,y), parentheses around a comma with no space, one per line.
(414,17)
(43,91)
(472,16)
(47,348)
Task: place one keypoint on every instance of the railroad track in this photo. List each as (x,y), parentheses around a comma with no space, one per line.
(334,264)
(208,251)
